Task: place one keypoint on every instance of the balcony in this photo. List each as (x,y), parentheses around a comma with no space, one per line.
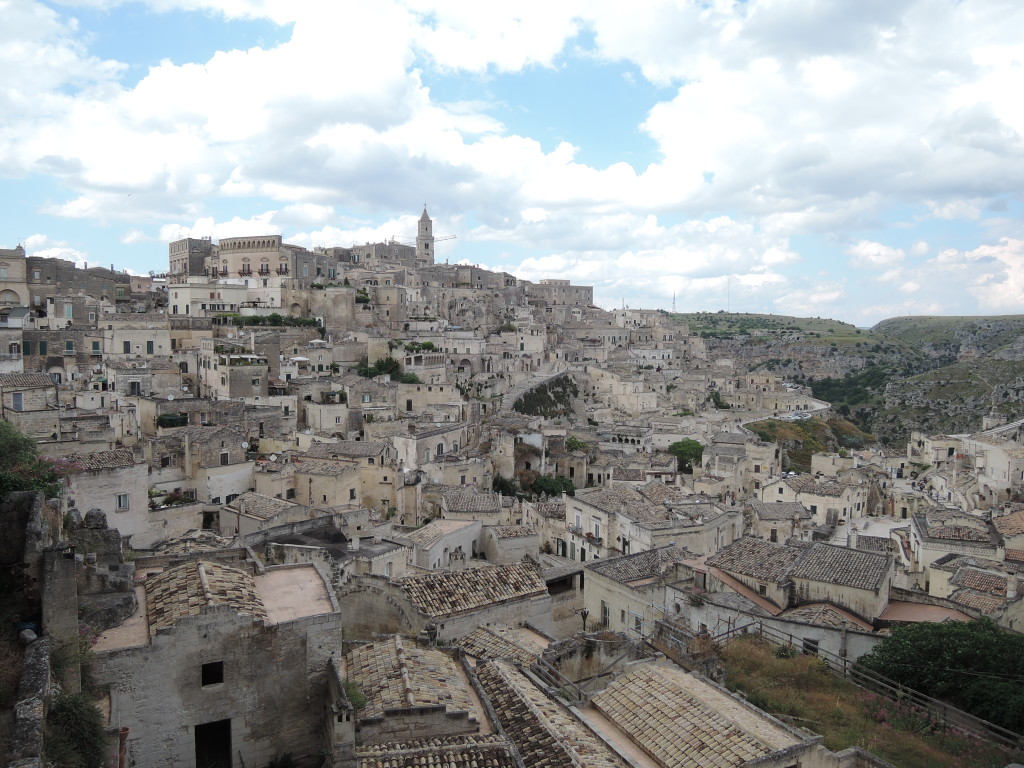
(282,270)
(245,273)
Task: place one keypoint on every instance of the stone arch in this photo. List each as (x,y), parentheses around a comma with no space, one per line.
(295,310)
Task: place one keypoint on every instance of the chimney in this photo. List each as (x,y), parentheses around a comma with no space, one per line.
(1011,586)
(852,538)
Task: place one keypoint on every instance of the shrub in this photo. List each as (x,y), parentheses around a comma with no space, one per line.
(74,735)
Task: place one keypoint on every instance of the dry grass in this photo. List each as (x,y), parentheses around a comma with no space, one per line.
(804,692)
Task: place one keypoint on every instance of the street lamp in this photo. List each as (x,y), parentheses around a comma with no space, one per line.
(583,615)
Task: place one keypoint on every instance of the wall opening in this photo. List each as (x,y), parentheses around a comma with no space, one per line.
(213,744)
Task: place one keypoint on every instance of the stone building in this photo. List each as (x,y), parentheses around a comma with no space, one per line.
(224,660)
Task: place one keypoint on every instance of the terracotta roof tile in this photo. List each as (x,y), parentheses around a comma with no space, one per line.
(843,566)
(393,676)
(545,733)
(116,459)
(681,720)
(467,751)
(756,558)
(186,589)
(454,592)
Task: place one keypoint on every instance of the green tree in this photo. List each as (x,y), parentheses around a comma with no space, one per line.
(688,452)
(553,486)
(575,444)
(974,665)
(506,486)
(23,469)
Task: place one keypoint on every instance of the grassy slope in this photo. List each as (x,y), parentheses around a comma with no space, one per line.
(813,436)
(803,692)
(943,330)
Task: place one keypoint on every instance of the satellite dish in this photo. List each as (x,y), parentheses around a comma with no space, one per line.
(231,335)
(170,397)
(245,445)
(273,457)
(184,389)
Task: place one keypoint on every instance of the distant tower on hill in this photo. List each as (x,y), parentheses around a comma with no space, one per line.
(425,240)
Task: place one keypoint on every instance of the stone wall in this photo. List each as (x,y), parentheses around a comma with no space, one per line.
(26,745)
(273,690)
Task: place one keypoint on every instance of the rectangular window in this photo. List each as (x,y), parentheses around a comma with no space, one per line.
(17,401)
(96,347)
(225,457)
(126,347)
(213,673)
(43,347)
(69,347)
(121,502)
(165,461)
(149,347)
(366,398)
(351,494)
(255,382)
(68,311)
(27,347)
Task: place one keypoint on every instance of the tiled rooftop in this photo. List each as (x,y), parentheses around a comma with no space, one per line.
(466,500)
(466,751)
(116,459)
(874,543)
(807,484)
(1011,524)
(660,493)
(258,505)
(25,380)
(434,531)
(957,533)
(393,676)
(327,468)
(756,558)
(779,510)
(514,531)
(453,592)
(825,615)
(979,601)
(545,733)
(497,643)
(642,565)
(184,590)
(356,449)
(194,541)
(625,501)
(843,566)
(681,720)
(980,581)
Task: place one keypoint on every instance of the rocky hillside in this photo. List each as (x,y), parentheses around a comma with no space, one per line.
(936,374)
(951,399)
(800,349)
(802,439)
(947,340)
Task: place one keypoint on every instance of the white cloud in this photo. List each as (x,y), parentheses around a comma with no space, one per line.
(792,119)
(870,254)
(920,248)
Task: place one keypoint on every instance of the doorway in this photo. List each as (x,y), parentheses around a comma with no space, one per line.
(213,744)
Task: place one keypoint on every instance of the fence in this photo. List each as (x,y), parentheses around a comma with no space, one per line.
(872,681)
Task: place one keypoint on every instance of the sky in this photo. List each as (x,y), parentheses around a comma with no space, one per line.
(853,160)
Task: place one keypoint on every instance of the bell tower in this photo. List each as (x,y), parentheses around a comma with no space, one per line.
(425,240)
